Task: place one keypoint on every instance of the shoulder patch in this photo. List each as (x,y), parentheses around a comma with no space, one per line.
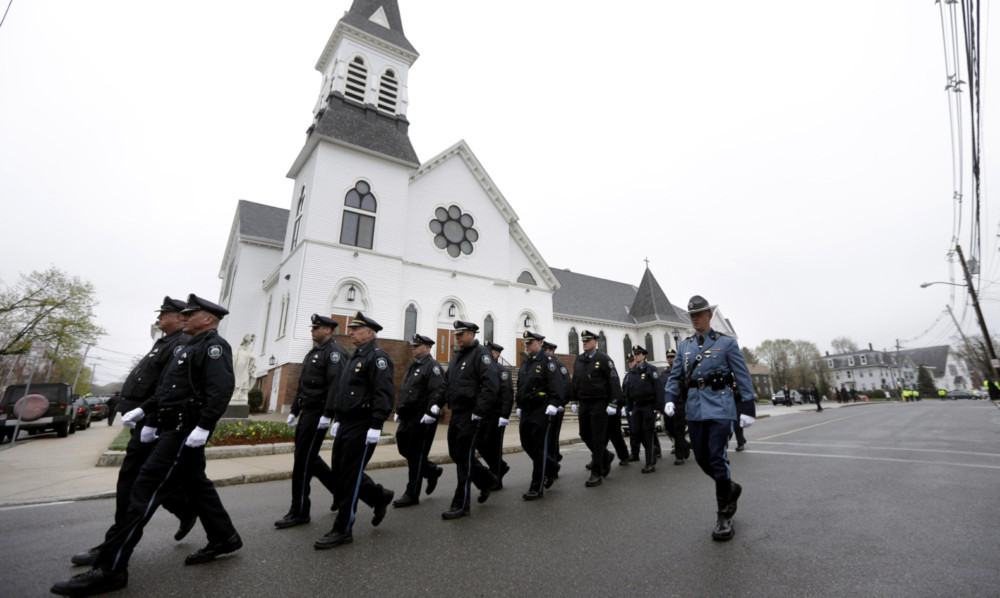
(563,370)
(611,364)
(178,349)
(552,367)
(487,360)
(504,375)
(437,371)
(656,375)
(335,357)
(215,351)
(381,363)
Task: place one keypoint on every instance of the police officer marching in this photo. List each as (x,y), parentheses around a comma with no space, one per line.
(677,421)
(361,405)
(471,392)
(709,364)
(413,438)
(539,397)
(643,393)
(557,420)
(318,384)
(598,391)
(188,404)
(490,444)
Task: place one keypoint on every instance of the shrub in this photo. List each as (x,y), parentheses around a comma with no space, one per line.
(875,394)
(255,398)
(230,433)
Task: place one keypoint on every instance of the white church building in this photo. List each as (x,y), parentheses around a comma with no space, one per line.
(415,245)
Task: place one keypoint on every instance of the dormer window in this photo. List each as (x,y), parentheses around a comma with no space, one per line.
(357,80)
(388,92)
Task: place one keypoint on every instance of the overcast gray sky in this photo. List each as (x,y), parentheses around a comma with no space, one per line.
(788,160)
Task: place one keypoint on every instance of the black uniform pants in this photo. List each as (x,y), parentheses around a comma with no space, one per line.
(489,444)
(817,398)
(535,425)
(681,447)
(413,440)
(644,420)
(740,438)
(710,441)
(615,435)
(351,455)
(112,411)
(594,432)
(308,463)
(557,421)
(136,454)
(171,466)
(462,436)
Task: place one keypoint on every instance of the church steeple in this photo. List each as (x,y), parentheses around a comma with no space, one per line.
(651,302)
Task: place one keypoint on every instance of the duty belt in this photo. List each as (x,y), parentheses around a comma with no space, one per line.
(715,381)
(178,417)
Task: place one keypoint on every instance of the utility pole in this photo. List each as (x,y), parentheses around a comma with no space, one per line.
(79,369)
(982,324)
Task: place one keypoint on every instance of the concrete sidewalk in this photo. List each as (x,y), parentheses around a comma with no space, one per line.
(49,469)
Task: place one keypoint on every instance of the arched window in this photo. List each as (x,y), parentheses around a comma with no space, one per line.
(627,343)
(410,322)
(649,346)
(298,216)
(526,278)
(388,92)
(574,342)
(357,228)
(602,342)
(488,329)
(357,80)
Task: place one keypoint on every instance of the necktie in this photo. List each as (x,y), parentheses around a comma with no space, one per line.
(701,341)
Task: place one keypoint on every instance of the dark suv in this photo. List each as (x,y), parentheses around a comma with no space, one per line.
(59,416)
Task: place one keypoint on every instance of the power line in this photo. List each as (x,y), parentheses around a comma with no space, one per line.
(5,13)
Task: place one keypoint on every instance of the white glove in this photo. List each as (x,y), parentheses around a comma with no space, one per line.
(427,419)
(435,410)
(132,417)
(503,422)
(395,417)
(475,417)
(746,421)
(518,412)
(562,409)
(611,410)
(198,437)
(324,422)
(574,407)
(668,409)
(551,410)
(333,429)
(624,411)
(373,435)
(291,420)
(147,435)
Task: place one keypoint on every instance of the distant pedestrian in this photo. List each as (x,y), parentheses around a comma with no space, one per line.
(112,404)
(814,393)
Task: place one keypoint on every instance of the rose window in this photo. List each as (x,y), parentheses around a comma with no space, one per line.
(453,231)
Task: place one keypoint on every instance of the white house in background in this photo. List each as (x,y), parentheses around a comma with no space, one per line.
(415,245)
(950,372)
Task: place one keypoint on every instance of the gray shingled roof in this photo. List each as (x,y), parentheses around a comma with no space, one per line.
(592,297)
(367,128)
(360,14)
(932,357)
(258,221)
(651,303)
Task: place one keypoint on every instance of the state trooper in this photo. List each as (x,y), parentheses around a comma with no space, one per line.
(557,421)
(193,396)
(319,381)
(490,443)
(361,405)
(539,397)
(141,383)
(471,392)
(710,364)
(413,438)
(643,393)
(597,389)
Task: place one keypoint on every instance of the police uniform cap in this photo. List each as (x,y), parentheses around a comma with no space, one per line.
(494,347)
(549,346)
(461,326)
(196,303)
(671,353)
(629,357)
(588,335)
(698,304)
(361,320)
(318,320)
(172,306)
(532,336)
(637,349)
(419,339)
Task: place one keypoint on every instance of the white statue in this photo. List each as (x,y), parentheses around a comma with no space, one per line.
(244,364)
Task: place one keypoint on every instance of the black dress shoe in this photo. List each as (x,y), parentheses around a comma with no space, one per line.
(623,462)
(333,540)
(484,493)
(649,469)
(211,551)
(588,466)
(532,495)
(454,513)
(723,531)
(608,460)
(432,479)
(405,501)
(381,507)
(86,558)
(678,461)
(734,495)
(291,520)
(740,448)
(633,457)
(595,480)
(549,480)
(95,581)
(186,526)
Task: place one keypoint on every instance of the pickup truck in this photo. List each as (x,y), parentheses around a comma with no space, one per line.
(58,417)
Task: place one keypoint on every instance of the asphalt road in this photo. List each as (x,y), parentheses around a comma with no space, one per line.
(875,500)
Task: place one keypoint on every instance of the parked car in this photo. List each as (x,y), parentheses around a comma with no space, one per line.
(793,397)
(83,414)
(98,409)
(58,417)
(959,394)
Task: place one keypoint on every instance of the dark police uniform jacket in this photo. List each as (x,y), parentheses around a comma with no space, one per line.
(472,382)
(642,387)
(595,379)
(320,378)
(366,387)
(149,372)
(420,382)
(711,372)
(539,382)
(505,394)
(197,386)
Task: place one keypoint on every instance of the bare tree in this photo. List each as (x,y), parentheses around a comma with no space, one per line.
(843,344)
